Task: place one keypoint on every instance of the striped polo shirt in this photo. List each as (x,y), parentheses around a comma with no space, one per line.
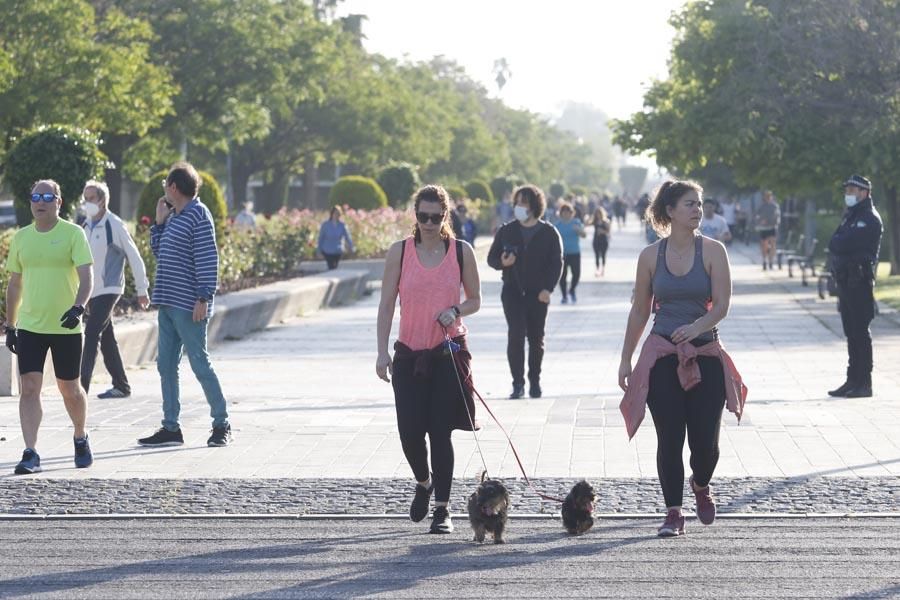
(187,261)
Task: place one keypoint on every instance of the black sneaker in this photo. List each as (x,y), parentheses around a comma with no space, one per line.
(163,437)
(113,393)
(221,436)
(860,391)
(842,390)
(418,510)
(440,521)
(535,390)
(518,392)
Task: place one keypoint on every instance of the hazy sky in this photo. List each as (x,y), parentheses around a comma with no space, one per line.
(603,52)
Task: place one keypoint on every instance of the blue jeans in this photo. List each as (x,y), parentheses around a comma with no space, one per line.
(178,332)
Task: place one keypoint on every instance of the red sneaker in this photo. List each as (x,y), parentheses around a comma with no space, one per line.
(673,525)
(706,506)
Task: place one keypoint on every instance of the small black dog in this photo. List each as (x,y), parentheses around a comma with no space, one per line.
(488,509)
(577,508)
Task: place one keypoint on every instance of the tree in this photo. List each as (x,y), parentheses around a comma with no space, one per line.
(399,182)
(61,63)
(788,95)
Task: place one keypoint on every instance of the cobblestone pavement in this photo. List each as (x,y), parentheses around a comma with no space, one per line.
(392,496)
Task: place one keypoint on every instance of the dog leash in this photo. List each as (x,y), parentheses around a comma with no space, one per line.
(454,348)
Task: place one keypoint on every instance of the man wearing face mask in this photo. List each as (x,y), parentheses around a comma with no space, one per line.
(110,244)
(854,253)
(529,252)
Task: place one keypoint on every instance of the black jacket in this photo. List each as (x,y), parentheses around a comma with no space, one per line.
(857,240)
(538,265)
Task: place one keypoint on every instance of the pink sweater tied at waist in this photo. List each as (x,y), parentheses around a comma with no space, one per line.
(634,402)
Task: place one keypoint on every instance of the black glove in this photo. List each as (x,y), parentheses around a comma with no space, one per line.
(72,317)
(12,340)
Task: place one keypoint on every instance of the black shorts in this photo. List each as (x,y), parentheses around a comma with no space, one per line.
(765,234)
(65,348)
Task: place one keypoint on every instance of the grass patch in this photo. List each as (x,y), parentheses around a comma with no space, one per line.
(887,287)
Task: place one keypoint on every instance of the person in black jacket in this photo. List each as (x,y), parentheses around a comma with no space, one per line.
(854,254)
(529,252)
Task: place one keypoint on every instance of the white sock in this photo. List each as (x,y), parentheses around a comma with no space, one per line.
(444,504)
(425,484)
(678,508)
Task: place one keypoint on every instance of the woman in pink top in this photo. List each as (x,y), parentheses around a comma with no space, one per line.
(683,373)
(425,271)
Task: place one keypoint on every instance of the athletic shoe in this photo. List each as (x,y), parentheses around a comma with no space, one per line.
(83,455)
(535,390)
(440,521)
(221,436)
(418,510)
(163,437)
(113,393)
(764,266)
(706,506)
(518,392)
(30,463)
(565,299)
(572,296)
(842,390)
(673,526)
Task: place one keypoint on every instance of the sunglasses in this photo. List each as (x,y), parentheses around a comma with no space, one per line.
(423,218)
(46,197)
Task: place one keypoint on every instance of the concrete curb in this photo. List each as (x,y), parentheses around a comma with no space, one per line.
(236,315)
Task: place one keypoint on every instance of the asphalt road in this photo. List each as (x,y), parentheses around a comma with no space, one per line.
(391,558)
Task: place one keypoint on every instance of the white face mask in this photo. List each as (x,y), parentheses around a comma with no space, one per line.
(91,209)
(520,212)
(850,200)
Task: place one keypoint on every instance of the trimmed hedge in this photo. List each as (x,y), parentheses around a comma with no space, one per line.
(457,194)
(68,155)
(210,194)
(557,189)
(480,190)
(399,182)
(359,192)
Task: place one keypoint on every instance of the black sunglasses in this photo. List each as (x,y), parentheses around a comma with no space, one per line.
(423,218)
(46,197)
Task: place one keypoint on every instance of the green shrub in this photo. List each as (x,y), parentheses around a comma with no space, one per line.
(399,182)
(210,195)
(557,189)
(579,190)
(68,155)
(357,192)
(505,184)
(457,194)
(478,189)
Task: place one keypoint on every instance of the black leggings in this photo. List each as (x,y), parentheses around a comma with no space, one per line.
(427,405)
(570,261)
(699,411)
(601,245)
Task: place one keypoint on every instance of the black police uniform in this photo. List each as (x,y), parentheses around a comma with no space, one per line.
(854,251)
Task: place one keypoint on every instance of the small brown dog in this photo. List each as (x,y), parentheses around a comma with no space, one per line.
(488,509)
(578,508)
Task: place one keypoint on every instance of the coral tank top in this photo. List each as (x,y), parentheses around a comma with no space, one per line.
(424,293)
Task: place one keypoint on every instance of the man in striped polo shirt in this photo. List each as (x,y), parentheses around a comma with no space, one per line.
(187,262)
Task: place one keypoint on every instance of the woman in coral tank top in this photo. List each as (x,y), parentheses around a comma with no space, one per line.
(425,270)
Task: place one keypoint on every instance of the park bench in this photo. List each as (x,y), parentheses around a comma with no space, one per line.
(788,248)
(804,261)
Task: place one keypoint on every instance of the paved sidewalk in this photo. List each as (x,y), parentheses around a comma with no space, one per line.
(305,401)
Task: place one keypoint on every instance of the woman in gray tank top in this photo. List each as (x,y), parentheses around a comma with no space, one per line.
(684,279)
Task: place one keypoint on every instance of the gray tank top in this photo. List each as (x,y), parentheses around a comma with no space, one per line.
(681,300)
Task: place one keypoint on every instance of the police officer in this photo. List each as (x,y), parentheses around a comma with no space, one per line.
(854,253)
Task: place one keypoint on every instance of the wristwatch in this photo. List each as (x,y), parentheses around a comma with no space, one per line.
(456,310)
